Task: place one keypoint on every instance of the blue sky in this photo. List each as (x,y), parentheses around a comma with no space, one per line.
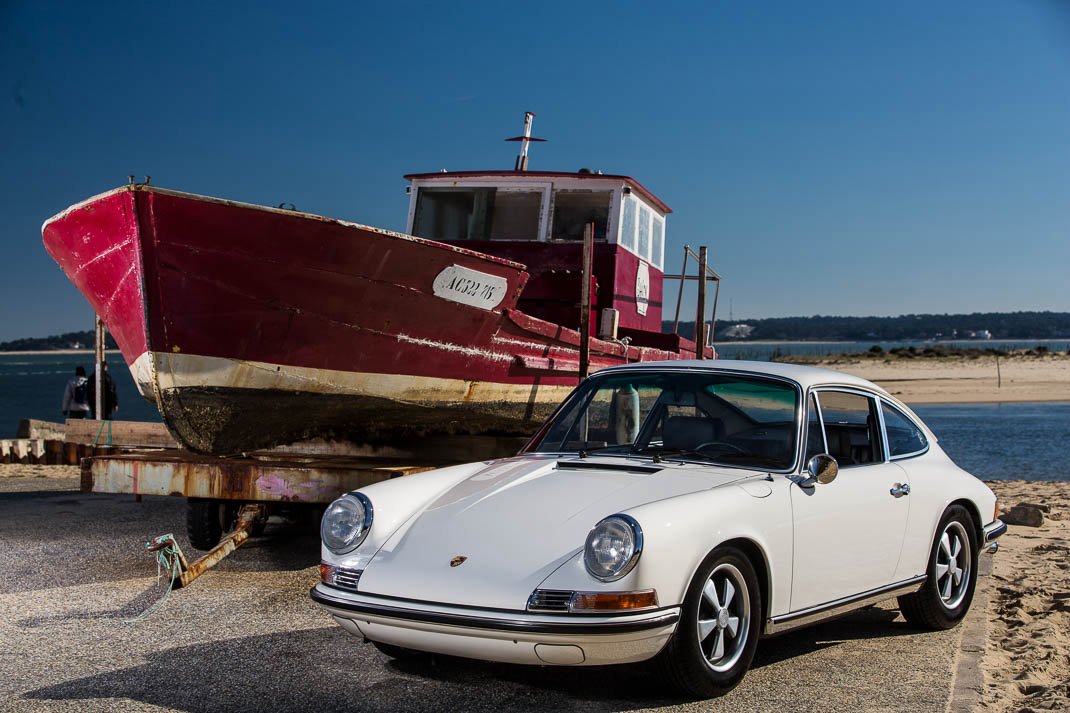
(837,157)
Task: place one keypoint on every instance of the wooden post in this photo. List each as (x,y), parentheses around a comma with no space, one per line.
(700,311)
(999,377)
(585,302)
(98,378)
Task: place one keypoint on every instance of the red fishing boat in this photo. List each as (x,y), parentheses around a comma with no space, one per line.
(252,326)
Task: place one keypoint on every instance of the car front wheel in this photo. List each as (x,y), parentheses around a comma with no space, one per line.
(718,631)
(952,575)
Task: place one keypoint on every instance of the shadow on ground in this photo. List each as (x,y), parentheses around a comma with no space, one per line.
(327,669)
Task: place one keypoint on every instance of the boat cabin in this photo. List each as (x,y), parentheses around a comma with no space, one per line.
(537,218)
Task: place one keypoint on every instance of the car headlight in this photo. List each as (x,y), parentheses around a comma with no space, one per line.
(346,523)
(613,547)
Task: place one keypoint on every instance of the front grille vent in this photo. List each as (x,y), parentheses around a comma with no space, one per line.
(346,578)
(549,600)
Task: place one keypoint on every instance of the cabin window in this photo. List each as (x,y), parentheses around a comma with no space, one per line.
(644,232)
(658,233)
(627,225)
(477,214)
(573,210)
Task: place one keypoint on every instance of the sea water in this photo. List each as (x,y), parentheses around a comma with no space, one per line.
(32,385)
(992,441)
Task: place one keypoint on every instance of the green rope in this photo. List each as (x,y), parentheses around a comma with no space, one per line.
(101,430)
(167,554)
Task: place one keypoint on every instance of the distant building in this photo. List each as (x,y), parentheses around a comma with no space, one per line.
(736,331)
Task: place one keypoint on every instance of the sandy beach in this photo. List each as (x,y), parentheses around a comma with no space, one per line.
(1027,657)
(973,379)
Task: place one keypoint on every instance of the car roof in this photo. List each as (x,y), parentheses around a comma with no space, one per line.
(805,376)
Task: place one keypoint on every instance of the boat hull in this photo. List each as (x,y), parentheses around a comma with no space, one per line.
(251,326)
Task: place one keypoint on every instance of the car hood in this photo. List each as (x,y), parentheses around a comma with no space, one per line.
(517,521)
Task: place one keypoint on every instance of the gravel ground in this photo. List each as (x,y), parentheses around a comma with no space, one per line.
(246,637)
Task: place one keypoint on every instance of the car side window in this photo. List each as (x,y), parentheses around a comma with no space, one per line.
(905,438)
(852,428)
(815,437)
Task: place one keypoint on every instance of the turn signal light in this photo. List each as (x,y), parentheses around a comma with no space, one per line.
(614,601)
(995,515)
(327,573)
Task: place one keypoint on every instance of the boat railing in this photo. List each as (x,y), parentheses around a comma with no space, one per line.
(705,275)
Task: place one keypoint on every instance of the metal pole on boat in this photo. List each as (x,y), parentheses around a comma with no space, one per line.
(680,293)
(713,317)
(98,375)
(700,312)
(524,139)
(585,302)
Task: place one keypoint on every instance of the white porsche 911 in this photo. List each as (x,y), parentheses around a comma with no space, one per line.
(677,511)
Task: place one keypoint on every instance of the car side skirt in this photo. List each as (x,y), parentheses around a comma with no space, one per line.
(795,620)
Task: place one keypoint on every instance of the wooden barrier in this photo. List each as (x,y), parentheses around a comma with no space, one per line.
(118,433)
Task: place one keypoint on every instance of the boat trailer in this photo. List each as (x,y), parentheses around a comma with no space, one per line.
(230,498)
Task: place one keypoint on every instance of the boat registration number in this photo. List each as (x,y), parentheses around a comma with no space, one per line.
(470,287)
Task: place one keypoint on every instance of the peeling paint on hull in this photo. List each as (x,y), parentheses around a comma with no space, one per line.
(252,326)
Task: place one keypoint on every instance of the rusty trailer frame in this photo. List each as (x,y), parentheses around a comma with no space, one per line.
(271,478)
(256,482)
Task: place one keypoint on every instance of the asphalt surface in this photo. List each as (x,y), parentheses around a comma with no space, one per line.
(246,637)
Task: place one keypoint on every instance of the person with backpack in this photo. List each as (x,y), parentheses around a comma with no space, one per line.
(109,394)
(76,396)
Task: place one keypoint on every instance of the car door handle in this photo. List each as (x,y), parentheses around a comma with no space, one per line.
(900,490)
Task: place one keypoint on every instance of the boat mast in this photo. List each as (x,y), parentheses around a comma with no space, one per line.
(525,139)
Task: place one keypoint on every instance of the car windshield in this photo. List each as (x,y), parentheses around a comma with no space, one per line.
(730,419)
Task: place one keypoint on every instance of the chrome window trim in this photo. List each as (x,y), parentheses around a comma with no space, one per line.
(799,409)
(812,395)
(912,422)
(857,391)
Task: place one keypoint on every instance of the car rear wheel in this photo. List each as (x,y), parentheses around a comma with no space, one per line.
(718,631)
(952,575)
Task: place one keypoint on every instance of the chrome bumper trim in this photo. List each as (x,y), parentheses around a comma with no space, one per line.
(524,621)
(993,530)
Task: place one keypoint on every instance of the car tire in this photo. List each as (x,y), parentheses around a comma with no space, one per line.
(206,521)
(704,658)
(952,574)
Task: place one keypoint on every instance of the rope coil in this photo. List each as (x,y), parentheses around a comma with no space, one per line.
(168,559)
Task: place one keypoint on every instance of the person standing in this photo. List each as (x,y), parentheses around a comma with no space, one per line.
(76,396)
(110,396)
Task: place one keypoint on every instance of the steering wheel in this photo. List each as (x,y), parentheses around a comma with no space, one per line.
(723,445)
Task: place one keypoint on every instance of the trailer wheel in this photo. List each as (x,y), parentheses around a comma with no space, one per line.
(206,521)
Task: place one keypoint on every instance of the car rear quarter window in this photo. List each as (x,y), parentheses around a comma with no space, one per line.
(905,438)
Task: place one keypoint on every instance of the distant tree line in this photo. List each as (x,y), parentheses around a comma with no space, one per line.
(1001,325)
(70,340)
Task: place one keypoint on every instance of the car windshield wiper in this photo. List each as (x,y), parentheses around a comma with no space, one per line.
(659,454)
(608,450)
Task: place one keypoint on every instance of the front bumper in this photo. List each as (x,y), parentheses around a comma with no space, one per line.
(500,635)
(991,532)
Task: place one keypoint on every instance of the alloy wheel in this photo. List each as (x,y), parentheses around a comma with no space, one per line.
(723,617)
(953,564)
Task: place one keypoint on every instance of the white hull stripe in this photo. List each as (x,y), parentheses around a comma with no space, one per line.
(177,371)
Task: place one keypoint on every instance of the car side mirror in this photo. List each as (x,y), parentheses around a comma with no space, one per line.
(822,468)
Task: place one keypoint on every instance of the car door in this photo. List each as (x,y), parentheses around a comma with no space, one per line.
(848,534)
